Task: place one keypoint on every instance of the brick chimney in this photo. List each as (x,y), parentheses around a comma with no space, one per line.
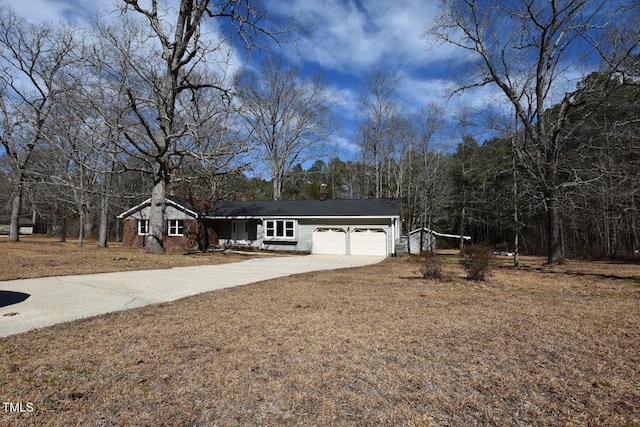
(323,192)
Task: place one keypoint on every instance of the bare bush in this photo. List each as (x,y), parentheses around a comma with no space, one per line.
(431,266)
(477,261)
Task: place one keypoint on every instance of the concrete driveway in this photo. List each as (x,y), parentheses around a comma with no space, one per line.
(34,303)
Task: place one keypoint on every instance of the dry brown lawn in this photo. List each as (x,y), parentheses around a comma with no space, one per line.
(370,346)
(39,256)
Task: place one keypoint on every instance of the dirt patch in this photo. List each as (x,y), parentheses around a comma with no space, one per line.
(368,346)
(38,256)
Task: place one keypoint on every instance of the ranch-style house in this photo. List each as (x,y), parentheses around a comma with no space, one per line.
(331,226)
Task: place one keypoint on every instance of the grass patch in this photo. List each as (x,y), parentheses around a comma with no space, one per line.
(39,256)
(377,345)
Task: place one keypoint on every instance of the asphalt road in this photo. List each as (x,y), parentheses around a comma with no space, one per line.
(34,303)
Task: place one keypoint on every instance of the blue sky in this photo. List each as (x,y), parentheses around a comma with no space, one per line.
(351,38)
(348,40)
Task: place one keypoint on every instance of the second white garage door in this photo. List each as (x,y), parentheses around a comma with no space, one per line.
(329,241)
(368,241)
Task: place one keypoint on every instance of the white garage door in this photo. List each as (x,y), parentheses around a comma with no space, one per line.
(329,241)
(368,241)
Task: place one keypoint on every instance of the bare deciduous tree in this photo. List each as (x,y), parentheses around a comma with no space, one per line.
(426,189)
(157,65)
(528,48)
(32,59)
(288,117)
(378,115)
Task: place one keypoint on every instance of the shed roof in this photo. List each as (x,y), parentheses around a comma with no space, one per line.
(22,220)
(308,208)
(435,233)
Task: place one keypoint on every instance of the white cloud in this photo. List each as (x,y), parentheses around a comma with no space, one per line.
(40,10)
(345,147)
(225,61)
(55,11)
(346,100)
(401,27)
(416,91)
(342,38)
(355,37)
(352,37)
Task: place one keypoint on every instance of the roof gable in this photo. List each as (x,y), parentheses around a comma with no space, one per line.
(175,201)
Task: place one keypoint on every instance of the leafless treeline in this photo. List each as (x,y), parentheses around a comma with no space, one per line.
(153,100)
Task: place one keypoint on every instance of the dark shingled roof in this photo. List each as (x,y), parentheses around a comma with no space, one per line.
(310,208)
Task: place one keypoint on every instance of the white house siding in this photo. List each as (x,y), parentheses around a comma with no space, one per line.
(22,227)
(302,241)
(307,226)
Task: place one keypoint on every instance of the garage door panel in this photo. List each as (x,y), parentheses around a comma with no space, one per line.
(369,242)
(329,241)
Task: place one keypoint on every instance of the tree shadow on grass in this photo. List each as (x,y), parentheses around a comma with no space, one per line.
(10,298)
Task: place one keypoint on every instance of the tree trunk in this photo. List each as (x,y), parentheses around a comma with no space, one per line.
(81,217)
(634,236)
(377,168)
(461,227)
(104,209)
(516,242)
(203,235)
(516,219)
(155,239)
(119,230)
(556,250)
(277,187)
(104,221)
(88,217)
(34,216)
(63,226)
(80,206)
(14,230)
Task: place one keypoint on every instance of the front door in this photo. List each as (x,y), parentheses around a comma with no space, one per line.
(239,230)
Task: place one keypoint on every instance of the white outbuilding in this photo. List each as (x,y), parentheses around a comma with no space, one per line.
(425,240)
